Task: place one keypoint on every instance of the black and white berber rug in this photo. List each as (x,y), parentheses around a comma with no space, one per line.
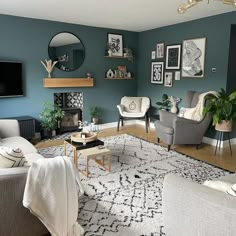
(128,200)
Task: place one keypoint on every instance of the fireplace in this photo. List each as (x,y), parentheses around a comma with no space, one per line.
(72,104)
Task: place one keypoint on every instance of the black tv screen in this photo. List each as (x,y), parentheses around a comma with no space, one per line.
(11,82)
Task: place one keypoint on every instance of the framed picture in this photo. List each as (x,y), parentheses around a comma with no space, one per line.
(177,75)
(115,42)
(157,72)
(153,55)
(168,79)
(160,50)
(193,58)
(173,57)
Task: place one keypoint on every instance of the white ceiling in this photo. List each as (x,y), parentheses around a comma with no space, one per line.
(133,15)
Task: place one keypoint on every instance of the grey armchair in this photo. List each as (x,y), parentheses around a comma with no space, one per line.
(173,129)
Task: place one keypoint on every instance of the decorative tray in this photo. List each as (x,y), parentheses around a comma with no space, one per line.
(84,137)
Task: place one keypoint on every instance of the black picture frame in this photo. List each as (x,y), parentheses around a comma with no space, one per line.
(115,44)
(173,57)
(157,71)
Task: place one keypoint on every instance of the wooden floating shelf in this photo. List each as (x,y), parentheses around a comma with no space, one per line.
(119,57)
(67,82)
(120,78)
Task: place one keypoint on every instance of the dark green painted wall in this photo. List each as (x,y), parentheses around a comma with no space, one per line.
(216,29)
(26,40)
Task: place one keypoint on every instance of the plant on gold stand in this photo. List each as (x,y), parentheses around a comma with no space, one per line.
(223,109)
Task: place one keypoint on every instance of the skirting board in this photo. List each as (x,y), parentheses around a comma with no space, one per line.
(206,140)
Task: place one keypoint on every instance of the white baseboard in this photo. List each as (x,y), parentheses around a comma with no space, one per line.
(206,140)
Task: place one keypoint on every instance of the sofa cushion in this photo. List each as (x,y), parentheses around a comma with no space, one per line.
(222,186)
(32,157)
(11,157)
(19,142)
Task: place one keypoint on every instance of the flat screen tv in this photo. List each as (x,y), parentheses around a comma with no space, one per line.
(11,81)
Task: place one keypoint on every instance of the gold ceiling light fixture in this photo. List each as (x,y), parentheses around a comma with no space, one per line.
(191,3)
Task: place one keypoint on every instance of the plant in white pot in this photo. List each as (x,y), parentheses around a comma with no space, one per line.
(49,118)
(223,109)
(94,114)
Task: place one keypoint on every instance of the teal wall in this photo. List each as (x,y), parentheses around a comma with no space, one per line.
(26,40)
(216,29)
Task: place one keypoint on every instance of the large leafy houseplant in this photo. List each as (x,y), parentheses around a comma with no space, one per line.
(221,106)
(50,116)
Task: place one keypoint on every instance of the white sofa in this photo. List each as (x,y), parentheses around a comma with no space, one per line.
(193,209)
(15,219)
(10,137)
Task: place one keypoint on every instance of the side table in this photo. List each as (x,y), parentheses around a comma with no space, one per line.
(79,146)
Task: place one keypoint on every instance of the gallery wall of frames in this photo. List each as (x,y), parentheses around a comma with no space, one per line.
(170,63)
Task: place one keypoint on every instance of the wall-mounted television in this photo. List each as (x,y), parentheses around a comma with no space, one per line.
(11,81)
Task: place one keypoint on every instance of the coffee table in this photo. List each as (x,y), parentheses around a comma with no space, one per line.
(76,146)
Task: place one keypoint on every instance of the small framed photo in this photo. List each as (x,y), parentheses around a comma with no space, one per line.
(173,57)
(153,55)
(177,75)
(168,79)
(160,50)
(115,42)
(193,58)
(157,72)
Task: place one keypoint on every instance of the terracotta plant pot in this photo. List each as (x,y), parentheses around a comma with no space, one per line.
(225,126)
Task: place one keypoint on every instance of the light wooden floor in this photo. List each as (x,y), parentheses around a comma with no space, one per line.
(222,159)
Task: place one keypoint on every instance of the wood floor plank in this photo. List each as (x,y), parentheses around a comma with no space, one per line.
(222,159)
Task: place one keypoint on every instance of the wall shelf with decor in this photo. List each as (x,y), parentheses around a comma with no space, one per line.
(67,82)
(119,78)
(120,57)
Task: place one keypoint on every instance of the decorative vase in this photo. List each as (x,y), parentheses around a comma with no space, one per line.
(109,53)
(225,126)
(173,108)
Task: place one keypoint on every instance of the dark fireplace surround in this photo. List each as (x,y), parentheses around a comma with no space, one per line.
(72,104)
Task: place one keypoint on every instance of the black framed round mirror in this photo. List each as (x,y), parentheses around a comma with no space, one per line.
(68,50)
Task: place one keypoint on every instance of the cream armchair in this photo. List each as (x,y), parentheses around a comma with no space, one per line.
(133,108)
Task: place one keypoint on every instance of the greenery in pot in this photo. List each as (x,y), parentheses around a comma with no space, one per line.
(50,116)
(165,104)
(94,114)
(222,107)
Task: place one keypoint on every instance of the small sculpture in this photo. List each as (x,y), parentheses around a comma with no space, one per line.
(49,65)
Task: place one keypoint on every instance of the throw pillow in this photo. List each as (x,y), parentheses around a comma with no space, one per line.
(11,157)
(222,186)
(133,104)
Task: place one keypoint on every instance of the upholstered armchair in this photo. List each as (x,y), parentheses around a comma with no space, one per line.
(173,129)
(133,108)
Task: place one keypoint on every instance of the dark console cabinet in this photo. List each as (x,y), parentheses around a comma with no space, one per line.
(27,126)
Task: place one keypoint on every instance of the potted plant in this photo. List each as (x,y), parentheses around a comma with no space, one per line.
(223,109)
(49,118)
(94,114)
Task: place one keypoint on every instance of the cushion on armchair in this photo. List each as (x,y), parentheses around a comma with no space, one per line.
(132,104)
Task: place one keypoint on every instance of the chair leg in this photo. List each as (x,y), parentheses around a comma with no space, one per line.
(158,140)
(118,124)
(146,123)
(168,148)
(122,121)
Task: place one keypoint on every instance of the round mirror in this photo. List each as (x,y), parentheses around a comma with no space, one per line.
(68,50)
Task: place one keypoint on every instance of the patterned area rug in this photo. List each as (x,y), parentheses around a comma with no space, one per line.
(128,200)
